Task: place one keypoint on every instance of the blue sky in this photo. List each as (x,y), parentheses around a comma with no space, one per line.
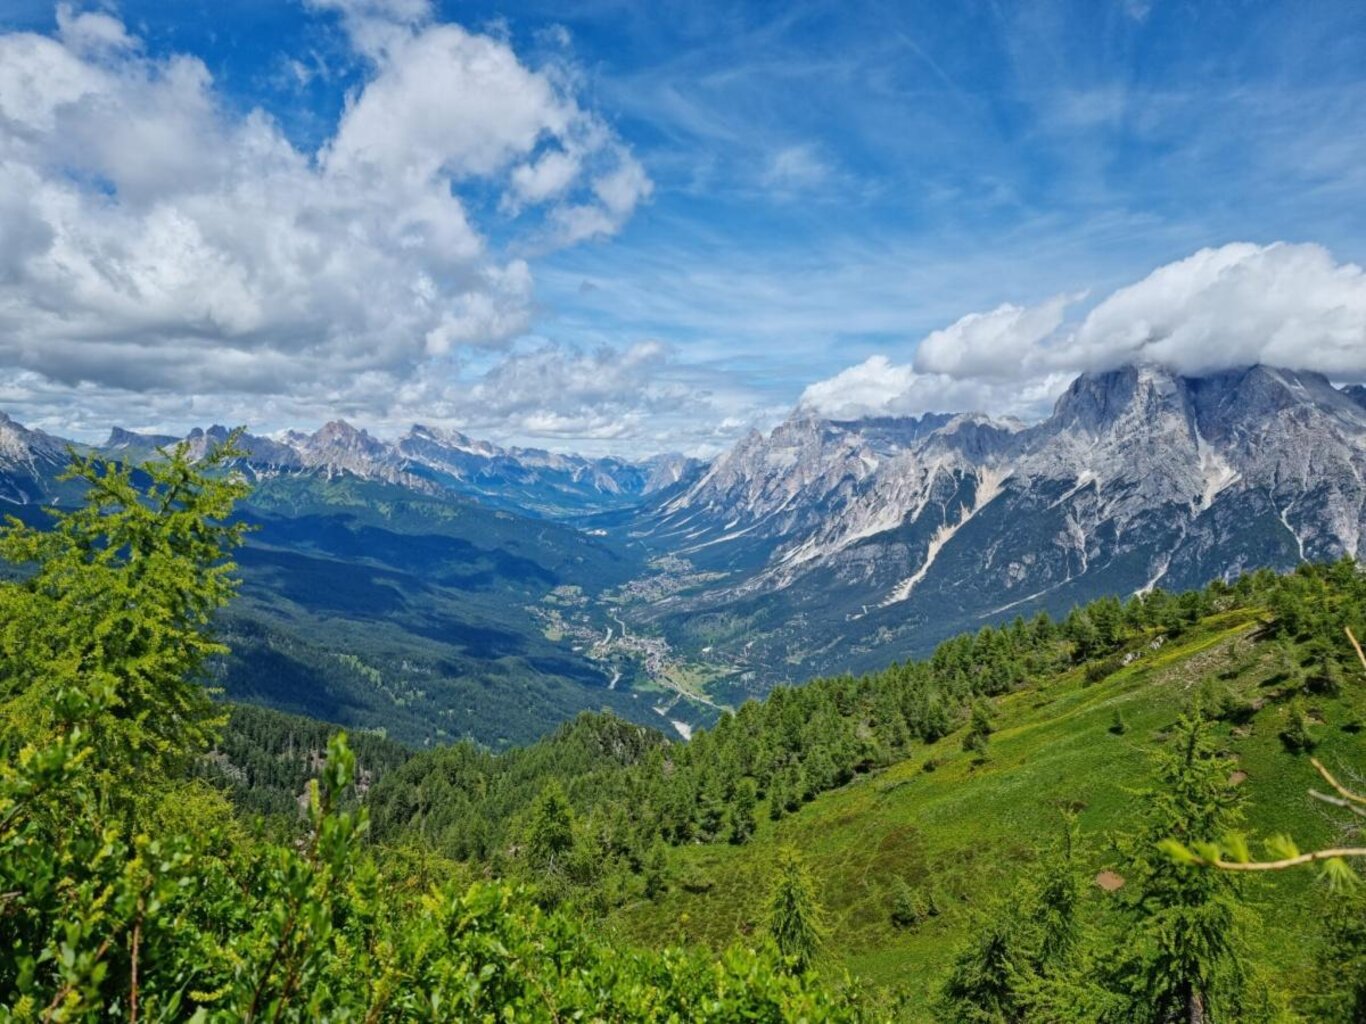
(820,185)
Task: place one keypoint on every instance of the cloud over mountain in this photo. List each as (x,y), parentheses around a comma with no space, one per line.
(1238,305)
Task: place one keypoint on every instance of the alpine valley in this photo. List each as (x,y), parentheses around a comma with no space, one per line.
(438,587)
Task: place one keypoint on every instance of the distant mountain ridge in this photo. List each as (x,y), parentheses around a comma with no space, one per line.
(426,459)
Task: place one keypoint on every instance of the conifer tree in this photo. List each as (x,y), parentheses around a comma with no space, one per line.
(982,987)
(908,907)
(655,870)
(795,919)
(550,832)
(777,797)
(1081,630)
(742,821)
(1030,958)
(980,728)
(1341,981)
(1182,957)
(117,610)
(794,786)
(1297,735)
(711,807)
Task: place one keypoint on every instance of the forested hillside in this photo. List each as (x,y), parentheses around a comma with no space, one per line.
(263,760)
(773,756)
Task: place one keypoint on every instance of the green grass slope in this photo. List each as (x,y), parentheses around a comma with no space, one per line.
(962,830)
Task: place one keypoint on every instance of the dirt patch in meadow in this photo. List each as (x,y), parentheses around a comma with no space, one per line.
(1110,881)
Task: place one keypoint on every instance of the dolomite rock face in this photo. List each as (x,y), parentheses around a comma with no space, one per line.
(894,533)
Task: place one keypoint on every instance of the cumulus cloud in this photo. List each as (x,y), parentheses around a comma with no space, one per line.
(879,387)
(1288,305)
(992,345)
(90,32)
(1282,305)
(557,391)
(157,238)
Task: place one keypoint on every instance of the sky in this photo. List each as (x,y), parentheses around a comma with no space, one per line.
(636,227)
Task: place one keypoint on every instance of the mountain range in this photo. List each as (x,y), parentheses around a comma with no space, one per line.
(672,587)
(433,461)
(845,544)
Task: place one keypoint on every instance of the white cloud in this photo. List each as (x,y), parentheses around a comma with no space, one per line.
(994,345)
(623,187)
(156,239)
(92,32)
(1238,305)
(874,387)
(545,178)
(447,103)
(879,387)
(1281,304)
(617,191)
(554,391)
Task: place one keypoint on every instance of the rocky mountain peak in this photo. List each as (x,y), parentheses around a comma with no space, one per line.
(19,444)
(28,460)
(1097,402)
(342,435)
(423,435)
(121,438)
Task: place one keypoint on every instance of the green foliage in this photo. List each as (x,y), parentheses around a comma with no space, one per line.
(656,871)
(187,927)
(742,817)
(1298,735)
(1184,953)
(982,986)
(980,727)
(909,907)
(1340,992)
(550,833)
(264,759)
(796,922)
(108,627)
(960,832)
(1033,958)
